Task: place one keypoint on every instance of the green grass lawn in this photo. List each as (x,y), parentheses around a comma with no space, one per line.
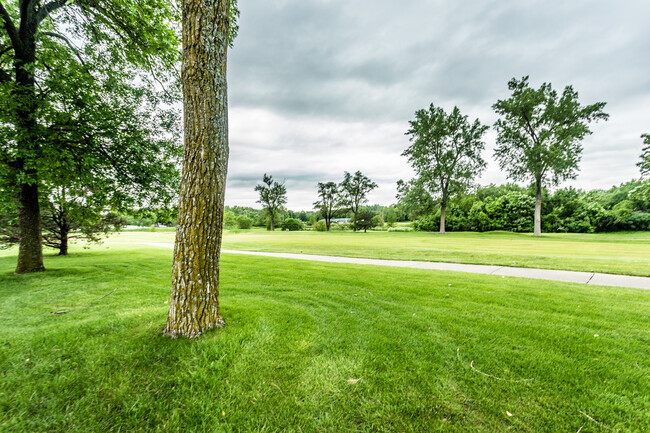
(317,347)
(615,253)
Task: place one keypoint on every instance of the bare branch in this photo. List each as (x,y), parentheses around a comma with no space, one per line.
(68,43)
(10,28)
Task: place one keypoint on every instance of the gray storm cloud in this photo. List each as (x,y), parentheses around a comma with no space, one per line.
(319,87)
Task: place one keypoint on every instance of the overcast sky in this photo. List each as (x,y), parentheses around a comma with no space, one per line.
(319,87)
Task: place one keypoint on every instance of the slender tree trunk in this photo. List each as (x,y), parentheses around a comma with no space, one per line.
(30,251)
(272,220)
(443,212)
(194,305)
(538,209)
(63,248)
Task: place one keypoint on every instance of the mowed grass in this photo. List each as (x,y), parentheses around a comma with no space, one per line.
(615,253)
(317,347)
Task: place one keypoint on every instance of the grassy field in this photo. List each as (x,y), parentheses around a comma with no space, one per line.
(615,253)
(317,347)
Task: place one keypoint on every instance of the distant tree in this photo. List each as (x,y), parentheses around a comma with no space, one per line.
(377,221)
(539,135)
(272,196)
(243,222)
(445,153)
(644,164)
(353,191)
(364,219)
(328,193)
(292,224)
(391,217)
(69,215)
(229,219)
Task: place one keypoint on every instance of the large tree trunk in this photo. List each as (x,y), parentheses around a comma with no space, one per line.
(538,209)
(194,305)
(443,215)
(30,251)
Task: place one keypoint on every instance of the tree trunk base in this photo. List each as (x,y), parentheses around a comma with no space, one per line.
(29,270)
(191,331)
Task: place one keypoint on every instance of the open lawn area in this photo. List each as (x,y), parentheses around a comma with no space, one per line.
(615,253)
(327,347)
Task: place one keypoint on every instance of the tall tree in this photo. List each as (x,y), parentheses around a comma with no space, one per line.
(644,163)
(540,133)
(328,193)
(272,196)
(67,69)
(353,191)
(445,153)
(194,304)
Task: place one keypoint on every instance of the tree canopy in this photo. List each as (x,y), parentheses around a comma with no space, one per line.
(445,152)
(540,133)
(644,163)
(353,191)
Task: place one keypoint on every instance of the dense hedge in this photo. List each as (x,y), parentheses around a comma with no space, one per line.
(511,208)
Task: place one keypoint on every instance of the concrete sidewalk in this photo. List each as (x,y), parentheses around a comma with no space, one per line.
(542,274)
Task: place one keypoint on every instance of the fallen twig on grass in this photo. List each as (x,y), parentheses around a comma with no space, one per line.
(471,364)
(593,420)
(278,389)
(85,306)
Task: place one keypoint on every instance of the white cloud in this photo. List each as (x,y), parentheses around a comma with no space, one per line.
(322,87)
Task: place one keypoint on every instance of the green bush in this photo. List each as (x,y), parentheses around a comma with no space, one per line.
(513,212)
(292,224)
(243,222)
(229,219)
(319,226)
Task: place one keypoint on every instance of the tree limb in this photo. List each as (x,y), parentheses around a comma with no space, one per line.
(68,43)
(44,11)
(10,28)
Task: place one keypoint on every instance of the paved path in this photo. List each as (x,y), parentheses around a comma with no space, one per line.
(543,274)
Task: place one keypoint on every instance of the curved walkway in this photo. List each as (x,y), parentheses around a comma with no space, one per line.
(543,274)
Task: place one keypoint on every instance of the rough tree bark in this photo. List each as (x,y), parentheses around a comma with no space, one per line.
(443,214)
(30,251)
(538,209)
(194,305)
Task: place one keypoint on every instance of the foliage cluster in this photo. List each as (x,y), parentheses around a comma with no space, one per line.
(510,207)
(292,224)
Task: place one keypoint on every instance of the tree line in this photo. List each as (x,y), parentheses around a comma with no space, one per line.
(539,136)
